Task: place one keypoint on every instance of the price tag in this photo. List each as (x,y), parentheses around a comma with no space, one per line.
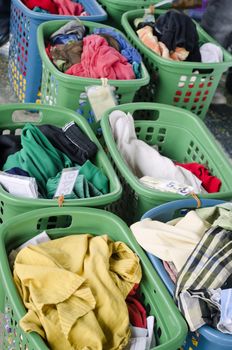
(67,182)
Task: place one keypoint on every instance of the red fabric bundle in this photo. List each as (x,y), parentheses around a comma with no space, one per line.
(210,183)
(137,313)
(61,7)
(99,60)
(43,4)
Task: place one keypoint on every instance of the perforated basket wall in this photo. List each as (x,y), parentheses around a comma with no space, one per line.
(206,338)
(116,8)
(189,85)
(179,135)
(24,61)
(169,332)
(12,120)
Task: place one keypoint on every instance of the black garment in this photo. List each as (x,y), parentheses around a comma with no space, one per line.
(4,21)
(17,171)
(144,24)
(228,46)
(9,144)
(217,20)
(5,7)
(71,141)
(175,29)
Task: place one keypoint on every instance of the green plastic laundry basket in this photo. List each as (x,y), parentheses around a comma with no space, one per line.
(69,91)
(13,118)
(170,328)
(179,135)
(189,85)
(116,8)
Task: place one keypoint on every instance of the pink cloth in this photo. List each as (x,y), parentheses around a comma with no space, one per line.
(171,270)
(99,60)
(67,7)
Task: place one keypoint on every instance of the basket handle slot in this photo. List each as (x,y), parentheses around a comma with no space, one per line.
(146,114)
(54,222)
(203,71)
(27,116)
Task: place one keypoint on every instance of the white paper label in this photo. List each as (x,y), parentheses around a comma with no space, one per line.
(21,186)
(67,182)
(166,185)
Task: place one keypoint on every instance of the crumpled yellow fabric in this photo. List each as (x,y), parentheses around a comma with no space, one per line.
(75,288)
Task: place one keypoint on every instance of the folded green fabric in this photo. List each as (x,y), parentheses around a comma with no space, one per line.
(94,175)
(82,188)
(38,157)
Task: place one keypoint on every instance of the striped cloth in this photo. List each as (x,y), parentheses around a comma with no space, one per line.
(207,268)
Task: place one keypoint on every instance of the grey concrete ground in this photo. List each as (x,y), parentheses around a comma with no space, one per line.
(218,120)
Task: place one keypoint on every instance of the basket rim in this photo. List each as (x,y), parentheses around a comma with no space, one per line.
(105,199)
(170,63)
(5,231)
(101,16)
(70,79)
(127,173)
(205,330)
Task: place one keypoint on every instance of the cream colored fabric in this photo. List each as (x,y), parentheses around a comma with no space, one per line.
(144,160)
(220,215)
(171,243)
(75,289)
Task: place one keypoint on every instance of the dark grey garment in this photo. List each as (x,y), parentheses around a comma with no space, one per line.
(71,141)
(217,20)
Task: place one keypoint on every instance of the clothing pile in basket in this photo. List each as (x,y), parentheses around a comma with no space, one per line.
(197,254)
(43,152)
(82,292)
(102,54)
(153,169)
(174,36)
(59,7)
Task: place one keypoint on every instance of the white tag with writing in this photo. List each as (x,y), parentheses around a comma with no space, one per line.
(166,185)
(67,182)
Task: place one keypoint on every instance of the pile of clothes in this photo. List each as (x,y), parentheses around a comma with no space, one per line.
(174,36)
(153,169)
(43,152)
(82,292)
(103,54)
(197,254)
(59,7)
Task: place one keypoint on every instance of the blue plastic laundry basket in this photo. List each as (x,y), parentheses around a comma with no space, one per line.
(206,338)
(25,67)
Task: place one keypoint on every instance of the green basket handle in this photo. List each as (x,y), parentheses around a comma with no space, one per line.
(23,113)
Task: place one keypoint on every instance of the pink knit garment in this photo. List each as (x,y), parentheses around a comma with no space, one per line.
(67,7)
(99,60)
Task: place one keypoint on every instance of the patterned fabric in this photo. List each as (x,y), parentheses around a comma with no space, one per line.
(208,267)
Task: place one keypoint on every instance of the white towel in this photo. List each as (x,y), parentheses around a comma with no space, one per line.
(143,159)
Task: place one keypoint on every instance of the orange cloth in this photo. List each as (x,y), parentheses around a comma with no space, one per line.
(146,36)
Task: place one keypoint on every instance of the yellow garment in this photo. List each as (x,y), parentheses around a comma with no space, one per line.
(173,241)
(75,288)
